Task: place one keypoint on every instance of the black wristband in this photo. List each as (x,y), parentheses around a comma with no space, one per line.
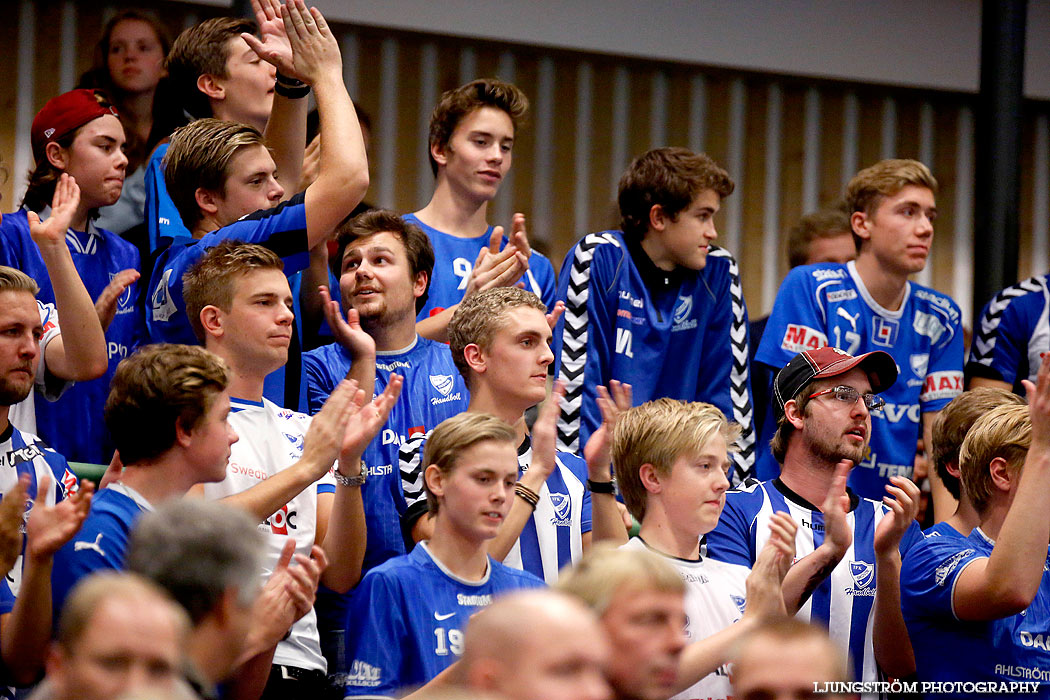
(291,88)
(601,486)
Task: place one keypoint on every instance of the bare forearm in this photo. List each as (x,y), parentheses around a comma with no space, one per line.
(606,523)
(436,327)
(806,574)
(81,330)
(705,656)
(266,498)
(345,539)
(251,676)
(890,639)
(363,371)
(509,532)
(27,630)
(342,179)
(315,275)
(286,138)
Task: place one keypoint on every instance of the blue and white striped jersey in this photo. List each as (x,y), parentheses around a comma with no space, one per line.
(827,303)
(1013,334)
(551,538)
(411,614)
(73,423)
(844,602)
(679,334)
(454,261)
(1012,648)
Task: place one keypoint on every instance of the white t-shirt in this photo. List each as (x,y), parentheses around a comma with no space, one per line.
(271,439)
(714,599)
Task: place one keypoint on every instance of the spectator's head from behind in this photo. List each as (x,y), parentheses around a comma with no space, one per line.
(20,331)
(822,236)
(782,659)
(472,133)
(218,171)
(892,209)
(992,457)
(77,133)
(470,466)
(823,400)
(668,200)
(640,602)
(536,645)
(172,397)
(672,462)
(500,342)
(216,74)
(384,265)
(117,633)
(954,421)
(219,589)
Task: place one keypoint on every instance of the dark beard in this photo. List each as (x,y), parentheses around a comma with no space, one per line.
(11,394)
(833,454)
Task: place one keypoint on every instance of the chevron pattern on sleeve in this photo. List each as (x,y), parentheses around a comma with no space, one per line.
(984,342)
(410,464)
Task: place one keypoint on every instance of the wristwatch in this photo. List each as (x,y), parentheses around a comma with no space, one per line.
(351,481)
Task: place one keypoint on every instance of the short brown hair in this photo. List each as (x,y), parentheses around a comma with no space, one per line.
(870,186)
(156,388)
(456,104)
(458,433)
(14,280)
(480,316)
(209,282)
(779,443)
(823,223)
(1004,431)
(202,50)
(671,177)
(199,156)
(658,433)
(955,420)
(603,571)
(418,248)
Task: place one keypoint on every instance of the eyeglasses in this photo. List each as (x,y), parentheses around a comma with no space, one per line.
(848,394)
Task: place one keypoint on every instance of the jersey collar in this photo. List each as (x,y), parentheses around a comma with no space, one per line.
(653,278)
(854,499)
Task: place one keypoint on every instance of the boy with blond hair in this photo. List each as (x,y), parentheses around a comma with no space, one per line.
(977,609)
(672,465)
(868,304)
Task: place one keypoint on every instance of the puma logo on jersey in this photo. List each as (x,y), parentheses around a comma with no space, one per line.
(93,546)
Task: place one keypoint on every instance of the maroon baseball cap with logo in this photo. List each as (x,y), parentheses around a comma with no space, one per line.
(831,362)
(64,114)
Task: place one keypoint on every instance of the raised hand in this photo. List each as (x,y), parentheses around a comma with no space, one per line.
(348,331)
(518,236)
(64,205)
(325,436)
(903,500)
(555,314)
(764,592)
(273,47)
(106,304)
(598,450)
(544,438)
(366,420)
(835,508)
(496,268)
(50,527)
(315,51)
(1039,405)
(12,520)
(287,595)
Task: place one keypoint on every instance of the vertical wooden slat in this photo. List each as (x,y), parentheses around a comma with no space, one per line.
(869,130)
(1024,204)
(563,181)
(792,174)
(677,131)
(946,121)
(746,202)
(601,128)
(832,120)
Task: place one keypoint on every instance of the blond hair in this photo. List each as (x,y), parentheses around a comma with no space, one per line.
(658,433)
(454,435)
(210,281)
(605,570)
(198,157)
(480,316)
(1004,432)
(955,420)
(13,280)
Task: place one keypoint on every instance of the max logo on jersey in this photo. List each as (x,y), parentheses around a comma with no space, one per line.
(798,338)
(562,509)
(863,575)
(941,385)
(442,382)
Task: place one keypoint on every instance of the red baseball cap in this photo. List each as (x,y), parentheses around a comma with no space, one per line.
(831,362)
(64,114)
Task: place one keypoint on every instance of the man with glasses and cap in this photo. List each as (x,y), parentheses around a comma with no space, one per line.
(847,546)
